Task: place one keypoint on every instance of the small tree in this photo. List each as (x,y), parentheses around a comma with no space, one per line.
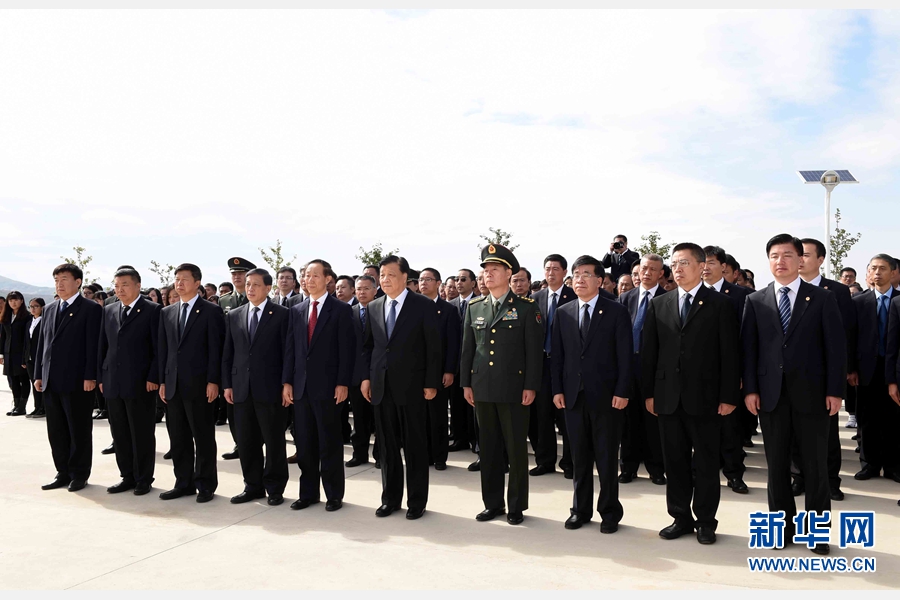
(652,245)
(841,243)
(498,236)
(276,259)
(165,272)
(82,262)
(374,255)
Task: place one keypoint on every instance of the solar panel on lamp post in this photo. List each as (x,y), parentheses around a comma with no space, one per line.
(829,180)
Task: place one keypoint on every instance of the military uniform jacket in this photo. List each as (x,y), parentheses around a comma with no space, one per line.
(232,300)
(502,356)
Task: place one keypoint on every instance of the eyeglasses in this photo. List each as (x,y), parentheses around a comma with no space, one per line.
(684,263)
(426,279)
(583,276)
(34,306)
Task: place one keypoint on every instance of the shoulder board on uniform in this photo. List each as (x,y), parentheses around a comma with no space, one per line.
(477,299)
(226,295)
(526,299)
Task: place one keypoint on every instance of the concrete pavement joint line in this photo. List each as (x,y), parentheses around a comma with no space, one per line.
(155,554)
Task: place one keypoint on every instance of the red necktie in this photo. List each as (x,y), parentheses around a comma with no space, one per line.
(311,327)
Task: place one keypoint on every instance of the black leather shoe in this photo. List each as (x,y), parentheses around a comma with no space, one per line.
(867,473)
(575,522)
(515,518)
(16,412)
(77,485)
(706,535)
(220,422)
(36,414)
(855,437)
(176,493)
(836,494)
(141,488)
(541,470)
(159,416)
(232,455)
(892,475)
(608,527)
(301,504)
(738,486)
(58,482)
(568,474)
(748,443)
(675,530)
(627,477)
(203,497)
(168,455)
(355,462)
(475,466)
(122,486)
(101,415)
(457,446)
(856,449)
(377,464)
(415,513)
(333,505)
(797,488)
(385,511)
(489,514)
(275,499)
(111,449)
(292,459)
(821,549)
(657,479)
(246,496)
(441,466)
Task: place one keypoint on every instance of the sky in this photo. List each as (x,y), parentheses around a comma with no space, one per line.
(195,136)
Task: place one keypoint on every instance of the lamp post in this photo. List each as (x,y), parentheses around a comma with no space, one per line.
(829,180)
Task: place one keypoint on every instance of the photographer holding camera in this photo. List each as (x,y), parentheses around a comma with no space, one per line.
(619,258)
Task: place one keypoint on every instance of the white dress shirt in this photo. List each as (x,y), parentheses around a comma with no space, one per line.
(321,300)
(815,280)
(400,300)
(717,285)
(34,323)
(581,304)
(190,304)
(793,286)
(682,293)
(69,300)
(261,306)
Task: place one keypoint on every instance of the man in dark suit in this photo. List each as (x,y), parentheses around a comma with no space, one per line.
(874,368)
(191,333)
(286,280)
(451,339)
(619,258)
(691,378)
(319,368)
(731,447)
(591,367)
(66,370)
(795,372)
(545,416)
(402,356)
(372,271)
(813,258)
(640,436)
(252,370)
(463,428)
(129,379)
(363,413)
(520,283)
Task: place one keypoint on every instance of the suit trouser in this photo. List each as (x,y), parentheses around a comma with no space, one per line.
(683,435)
(403,425)
(229,412)
(69,428)
(545,417)
(811,432)
(640,434)
(503,426)
(878,419)
(363,425)
(749,421)
(132,423)
(438,437)
(462,417)
(320,447)
(20,386)
(834,457)
(191,423)
(258,423)
(594,435)
(732,446)
(851,399)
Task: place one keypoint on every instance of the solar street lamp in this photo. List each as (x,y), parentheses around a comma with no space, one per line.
(829,180)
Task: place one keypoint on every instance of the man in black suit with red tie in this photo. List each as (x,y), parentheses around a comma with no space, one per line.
(691,378)
(318,370)
(66,371)
(191,333)
(591,368)
(795,373)
(402,355)
(129,380)
(363,413)
(252,372)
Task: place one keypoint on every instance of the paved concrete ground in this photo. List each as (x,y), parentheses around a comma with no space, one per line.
(93,540)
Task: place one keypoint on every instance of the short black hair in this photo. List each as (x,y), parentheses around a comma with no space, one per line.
(556,258)
(785,238)
(370,267)
(850,269)
(290,270)
(368,278)
(347,277)
(96,287)
(433,271)
(527,272)
(856,285)
(266,276)
(748,273)
(413,276)
(326,266)
(73,270)
(128,272)
(890,260)
(667,271)
(470,273)
(393,259)
(451,278)
(636,263)
(732,262)
(716,252)
(624,238)
(691,247)
(588,260)
(227,284)
(820,247)
(194,270)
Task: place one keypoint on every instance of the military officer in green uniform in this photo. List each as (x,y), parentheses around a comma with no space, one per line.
(238,267)
(501,367)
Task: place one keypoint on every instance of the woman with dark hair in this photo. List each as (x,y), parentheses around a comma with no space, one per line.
(155,296)
(100,297)
(36,307)
(14,321)
(172,296)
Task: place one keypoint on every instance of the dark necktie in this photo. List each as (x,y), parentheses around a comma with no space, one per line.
(784,309)
(184,313)
(254,323)
(311,325)
(362,316)
(551,311)
(585,323)
(638,326)
(685,309)
(125,310)
(284,300)
(462,309)
(882,323)
(63,306)
(391,319)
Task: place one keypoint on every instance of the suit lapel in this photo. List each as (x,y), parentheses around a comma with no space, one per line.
(67,315)
(242,326)
(799,309)
(131,314)
(696,303)
(193,316)
(378,316)
(321,319)
(596,315)
(265,315)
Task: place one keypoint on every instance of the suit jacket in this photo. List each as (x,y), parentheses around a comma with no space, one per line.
(12,344)
(601,366)
(359,331)
(542,299)
(619,263)
(848,315)
(410,360)
(327,361)
(632,298)
(31,345)
(737,295)
(296,299)
(253,369)
(128,350)
(892,354)
(865,351)
(697,365)
(277,298)
(810,359)
(190,363)
(451,335)
(67,348)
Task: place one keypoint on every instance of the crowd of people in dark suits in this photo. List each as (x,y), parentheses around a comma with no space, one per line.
(628,359)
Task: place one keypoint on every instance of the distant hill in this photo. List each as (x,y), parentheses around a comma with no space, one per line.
(30,291)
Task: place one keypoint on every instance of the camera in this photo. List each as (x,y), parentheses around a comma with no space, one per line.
(618,245)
